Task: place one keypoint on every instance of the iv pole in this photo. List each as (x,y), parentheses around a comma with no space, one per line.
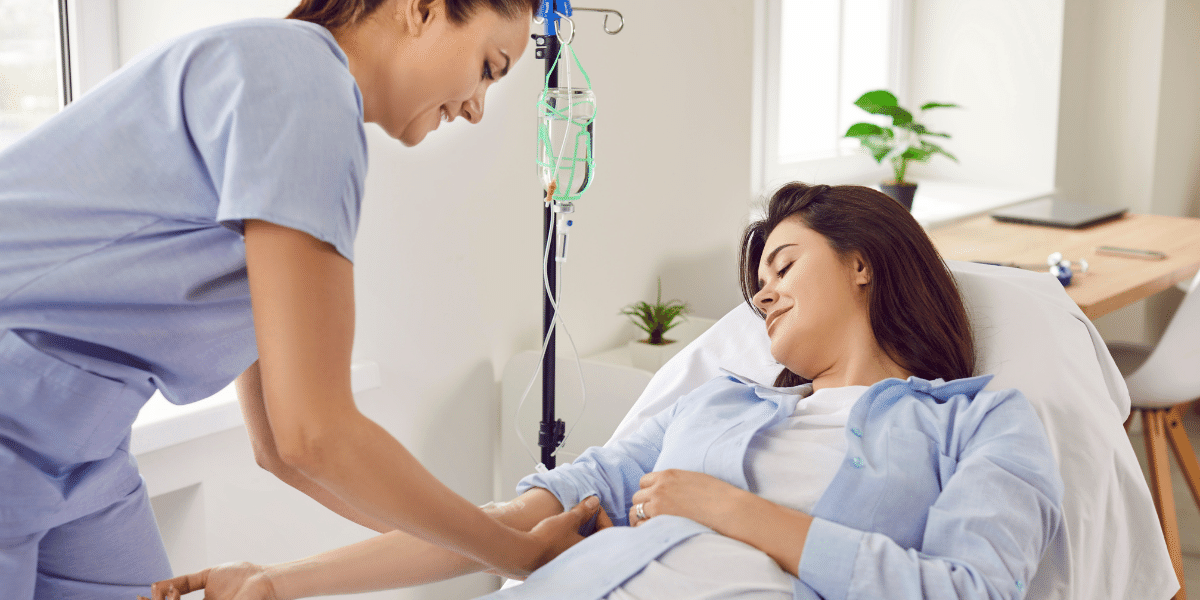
(552,430)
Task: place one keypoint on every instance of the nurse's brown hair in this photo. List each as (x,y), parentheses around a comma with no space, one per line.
(332,14)
(916,312)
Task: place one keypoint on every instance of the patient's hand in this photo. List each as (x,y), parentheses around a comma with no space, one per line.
(231,581)
(699,497)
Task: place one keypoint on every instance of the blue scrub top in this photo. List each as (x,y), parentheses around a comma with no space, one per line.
(121,217)
(122,262)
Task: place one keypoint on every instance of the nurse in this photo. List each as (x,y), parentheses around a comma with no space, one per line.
(191,221)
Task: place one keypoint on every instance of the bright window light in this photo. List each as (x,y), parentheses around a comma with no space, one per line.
(29,72)
(830,52)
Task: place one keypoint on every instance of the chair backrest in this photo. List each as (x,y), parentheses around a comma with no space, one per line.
(1169,375)
(1031,335)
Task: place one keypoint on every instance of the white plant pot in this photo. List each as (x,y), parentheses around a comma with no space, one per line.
(649,357)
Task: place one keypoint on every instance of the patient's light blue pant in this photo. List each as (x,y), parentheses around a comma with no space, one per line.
(112,554)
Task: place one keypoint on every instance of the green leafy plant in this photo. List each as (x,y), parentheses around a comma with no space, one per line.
(658,318)
(904,141)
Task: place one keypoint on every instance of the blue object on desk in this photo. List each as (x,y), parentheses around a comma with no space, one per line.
(1062,271)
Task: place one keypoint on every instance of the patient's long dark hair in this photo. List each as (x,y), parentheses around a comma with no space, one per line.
(915,310)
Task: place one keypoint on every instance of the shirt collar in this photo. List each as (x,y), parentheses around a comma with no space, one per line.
(938,388)
(801,390)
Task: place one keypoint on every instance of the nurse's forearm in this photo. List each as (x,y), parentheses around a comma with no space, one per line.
(327,499)
(302,296)
(262,440)
(396,559)
(361,463)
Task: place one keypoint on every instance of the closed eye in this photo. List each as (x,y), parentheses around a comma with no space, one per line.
(779,273)
(487,71)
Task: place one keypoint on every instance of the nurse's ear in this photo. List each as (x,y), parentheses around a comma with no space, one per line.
(418,15)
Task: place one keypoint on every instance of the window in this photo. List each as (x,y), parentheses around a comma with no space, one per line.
(30,84)
(37,77)
(816,58)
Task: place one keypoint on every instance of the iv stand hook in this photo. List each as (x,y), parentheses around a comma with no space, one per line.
(608,12)
(558,30)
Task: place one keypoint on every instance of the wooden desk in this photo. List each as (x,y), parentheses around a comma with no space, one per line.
(1111,281)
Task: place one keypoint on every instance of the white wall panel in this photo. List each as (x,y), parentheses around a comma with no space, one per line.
(1001,62)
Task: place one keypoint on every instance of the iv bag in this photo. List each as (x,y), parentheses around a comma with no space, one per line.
(566,117)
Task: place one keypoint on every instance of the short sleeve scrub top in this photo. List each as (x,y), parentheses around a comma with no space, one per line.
(122,262)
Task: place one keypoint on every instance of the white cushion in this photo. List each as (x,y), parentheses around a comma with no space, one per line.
(1032,337)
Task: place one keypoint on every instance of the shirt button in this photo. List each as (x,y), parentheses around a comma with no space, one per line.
(856,431)
(857,462)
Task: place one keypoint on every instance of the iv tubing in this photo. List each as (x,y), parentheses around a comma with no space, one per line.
(557,319)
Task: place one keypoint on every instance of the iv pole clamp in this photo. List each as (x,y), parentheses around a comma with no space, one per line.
(552,430)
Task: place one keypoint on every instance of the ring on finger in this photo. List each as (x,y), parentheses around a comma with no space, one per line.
(641,515)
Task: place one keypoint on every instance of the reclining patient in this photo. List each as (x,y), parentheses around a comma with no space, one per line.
(874,467)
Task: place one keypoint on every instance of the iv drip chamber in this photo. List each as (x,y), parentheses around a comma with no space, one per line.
(566,119)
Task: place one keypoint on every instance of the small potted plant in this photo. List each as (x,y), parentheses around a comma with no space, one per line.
(656,319)
(904,141)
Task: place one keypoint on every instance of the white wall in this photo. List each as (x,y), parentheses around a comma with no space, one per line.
(1000,61)
(449,249)
(1176,186)
(1112,70)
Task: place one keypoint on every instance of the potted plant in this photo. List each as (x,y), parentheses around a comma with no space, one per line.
(656,319)
(904,141)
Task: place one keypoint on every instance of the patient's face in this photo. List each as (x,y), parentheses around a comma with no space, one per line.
(814,299)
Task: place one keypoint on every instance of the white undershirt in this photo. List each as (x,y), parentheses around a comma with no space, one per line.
(790,464)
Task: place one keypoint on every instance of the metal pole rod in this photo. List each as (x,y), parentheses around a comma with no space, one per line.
(550,432)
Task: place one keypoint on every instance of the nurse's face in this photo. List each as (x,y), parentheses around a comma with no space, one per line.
(438,70)
(813,298)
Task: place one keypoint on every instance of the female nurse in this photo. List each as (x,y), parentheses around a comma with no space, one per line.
(191,221)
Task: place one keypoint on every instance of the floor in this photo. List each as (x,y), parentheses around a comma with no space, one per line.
(1185,505)
(1191,574)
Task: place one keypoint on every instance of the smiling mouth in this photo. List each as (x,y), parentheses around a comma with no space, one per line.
(773,318)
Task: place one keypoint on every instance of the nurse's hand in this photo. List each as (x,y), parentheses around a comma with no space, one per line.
(561,531)
(230,581)
(696,496)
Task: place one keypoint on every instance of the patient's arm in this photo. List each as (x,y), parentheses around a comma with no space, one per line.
(394,559)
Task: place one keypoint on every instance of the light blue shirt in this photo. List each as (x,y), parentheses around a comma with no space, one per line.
(946,492)
(122,262)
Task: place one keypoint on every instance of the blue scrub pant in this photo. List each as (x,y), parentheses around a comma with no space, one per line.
(75,519)
(112,554)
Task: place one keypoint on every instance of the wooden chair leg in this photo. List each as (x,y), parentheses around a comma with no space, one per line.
(1184,454)
(1154,424)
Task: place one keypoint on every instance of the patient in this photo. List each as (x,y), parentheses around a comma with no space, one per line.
(876,466)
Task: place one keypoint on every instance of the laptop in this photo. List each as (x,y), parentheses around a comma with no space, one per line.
(1056,212)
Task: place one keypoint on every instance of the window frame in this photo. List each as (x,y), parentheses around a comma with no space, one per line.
(87,46)
(767,170)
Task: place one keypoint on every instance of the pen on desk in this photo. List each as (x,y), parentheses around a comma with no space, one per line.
(1130,252)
